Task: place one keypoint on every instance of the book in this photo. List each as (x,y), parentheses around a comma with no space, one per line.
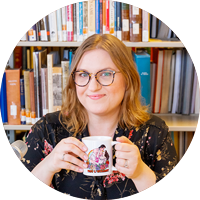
(32,96)
(44,30)
(85,20)
(107,17)
(32,33)
(59,24)
(3,100)
(17,57)
(125,22)
(13,96)
(145,26)
(22,101)
(64,24)
(104,16)
(153,81)
(97,16)
(27,97)
(176,81)
(171,84)
(142,61)
(65,73)
(119,20)
(159,78)
(75,22)
(197,99)
(135,15)
(79,12)
(70,34)
(111,17)
(91,17)
(101,16)
(166,81)
(53,27)
(44,90)
(194,92)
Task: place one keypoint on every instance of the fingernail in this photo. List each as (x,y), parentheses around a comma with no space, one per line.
(80,170)
(85,165)
(84,148)
(85,157)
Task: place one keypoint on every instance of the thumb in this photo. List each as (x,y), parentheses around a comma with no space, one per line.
(123,139)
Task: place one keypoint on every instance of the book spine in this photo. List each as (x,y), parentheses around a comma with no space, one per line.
(32,36)
(119,20)
(53,27)
(4,100)
(111,17)
(28,59)
(22,100)
(91,17)
(44,89)
(59,24)
(115,18)
(18,57)
(50,81)
(47,29)
(104,16)
(76,22)
(101,16)
(24,59)
(85,20)
(57,88)
(107,16)
(32,96)
(135,15)
(125,22)
(13,96)
(65,73)
(80,22)
(27,97)
(145,26)
(64,25)
(97,16)
(70,34)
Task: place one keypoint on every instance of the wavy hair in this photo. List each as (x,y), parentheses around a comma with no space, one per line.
(132,112)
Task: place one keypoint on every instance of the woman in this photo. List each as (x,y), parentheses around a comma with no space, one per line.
(102,98)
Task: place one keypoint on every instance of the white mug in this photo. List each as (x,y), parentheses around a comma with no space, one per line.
(100,156)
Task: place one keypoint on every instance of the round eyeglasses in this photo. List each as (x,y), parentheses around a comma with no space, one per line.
(103,77)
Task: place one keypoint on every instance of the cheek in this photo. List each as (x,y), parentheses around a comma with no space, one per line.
(80,92)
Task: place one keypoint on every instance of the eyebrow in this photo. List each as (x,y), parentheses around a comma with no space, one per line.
(98,70)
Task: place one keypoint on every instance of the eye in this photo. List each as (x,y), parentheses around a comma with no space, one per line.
(83,74)
(106,74)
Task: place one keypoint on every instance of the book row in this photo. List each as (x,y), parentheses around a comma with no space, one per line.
(77,21)
(168,83)
(182,141)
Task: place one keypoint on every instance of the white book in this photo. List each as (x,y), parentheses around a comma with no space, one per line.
(171,86)
(59,24)
(112,17)
(53,27)
(64,25)
(77,21)
(50,81)
(177,81)
(145,26)
(85,20)
(91,17)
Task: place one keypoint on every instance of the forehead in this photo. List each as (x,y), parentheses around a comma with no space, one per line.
(95,60)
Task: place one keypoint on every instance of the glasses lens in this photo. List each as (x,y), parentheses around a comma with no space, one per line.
(105,77)
(81,78)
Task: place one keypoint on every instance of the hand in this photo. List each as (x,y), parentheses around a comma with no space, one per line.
(128,153)
(64,156)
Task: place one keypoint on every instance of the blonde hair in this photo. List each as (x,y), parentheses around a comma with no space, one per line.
(132,112)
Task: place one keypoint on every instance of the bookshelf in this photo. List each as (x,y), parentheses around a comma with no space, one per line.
(175,122)
(128,44)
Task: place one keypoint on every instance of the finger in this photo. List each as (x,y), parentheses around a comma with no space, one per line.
(121,169)
(75,150)
(75,161)
(123,155)
(123,139)
(75,141)
(70,166)
(121,162)
(124,147)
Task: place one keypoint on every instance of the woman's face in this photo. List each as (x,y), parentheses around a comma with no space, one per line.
(97,99)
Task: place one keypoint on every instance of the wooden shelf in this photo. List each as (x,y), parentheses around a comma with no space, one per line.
(128,44)
(175,123)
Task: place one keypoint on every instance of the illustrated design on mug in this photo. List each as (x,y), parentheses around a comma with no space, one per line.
(98,160)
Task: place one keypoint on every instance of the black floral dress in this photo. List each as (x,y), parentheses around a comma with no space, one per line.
(152,138)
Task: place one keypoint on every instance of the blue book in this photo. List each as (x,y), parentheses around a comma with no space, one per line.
(70,58)
(97,16)
(119,20)
(22,100)
(81,18)
(3,100)
(142,60)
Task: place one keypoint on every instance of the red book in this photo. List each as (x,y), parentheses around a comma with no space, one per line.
(70,33)
(13,96)
(18,57)
(107,16)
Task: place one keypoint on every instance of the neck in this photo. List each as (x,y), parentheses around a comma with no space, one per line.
(103,125)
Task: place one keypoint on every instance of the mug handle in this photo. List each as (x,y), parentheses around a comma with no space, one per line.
(113,143)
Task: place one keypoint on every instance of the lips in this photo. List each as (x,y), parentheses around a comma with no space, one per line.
(96,96)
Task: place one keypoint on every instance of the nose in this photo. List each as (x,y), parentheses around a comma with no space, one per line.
(93,85)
